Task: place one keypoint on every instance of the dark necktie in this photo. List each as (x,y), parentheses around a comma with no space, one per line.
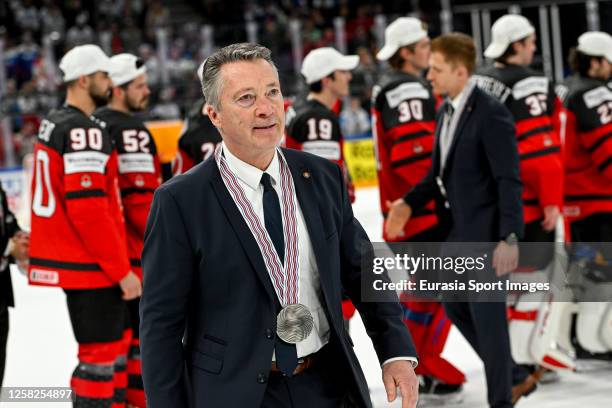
(286,354)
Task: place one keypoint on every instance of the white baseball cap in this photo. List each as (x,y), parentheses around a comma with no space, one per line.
(125,67)
(401,32)
(321,62)
(596,44)
(84,60)
(506,30)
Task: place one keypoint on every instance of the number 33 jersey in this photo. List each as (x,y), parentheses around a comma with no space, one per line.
(139,174)
(531,99)
(77,236)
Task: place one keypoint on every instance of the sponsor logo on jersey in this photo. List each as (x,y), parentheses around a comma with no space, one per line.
(597,96)
(329,150)
(530,86)
(87,161)
(136,163)
(42,276)
(405,91)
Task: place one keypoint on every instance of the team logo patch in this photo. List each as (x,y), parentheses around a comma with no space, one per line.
(86,181)
(547,141)
(47,277)
(139,181)
(417,148)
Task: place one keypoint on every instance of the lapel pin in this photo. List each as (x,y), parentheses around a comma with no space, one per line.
(306,174)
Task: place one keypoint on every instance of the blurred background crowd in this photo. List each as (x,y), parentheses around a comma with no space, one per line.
(174,36)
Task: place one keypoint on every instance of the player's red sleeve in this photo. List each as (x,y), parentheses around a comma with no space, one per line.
(181,162)
(93,207)
(598,143)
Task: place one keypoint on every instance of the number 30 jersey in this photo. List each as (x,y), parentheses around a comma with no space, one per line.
(77,234)
(139,173)
(404,124)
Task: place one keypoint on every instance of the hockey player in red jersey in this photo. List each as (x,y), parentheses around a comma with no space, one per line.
(587,98)
(312,124)
(198,139)
(139,175)
(403,116)
(78,235)
(529,95)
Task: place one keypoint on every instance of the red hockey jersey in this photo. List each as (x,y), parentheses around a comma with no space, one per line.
(588,146)
(78,236)
(403,123)
(531,99)
(139,173)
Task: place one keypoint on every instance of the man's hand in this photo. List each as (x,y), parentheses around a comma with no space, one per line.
(505,258)
(398,216)
(551,214)
(401,374)
(20,250)
(131,286)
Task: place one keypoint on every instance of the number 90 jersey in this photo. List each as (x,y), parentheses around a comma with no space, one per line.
(77,234)
(403,122)
(139,174)
(531,99)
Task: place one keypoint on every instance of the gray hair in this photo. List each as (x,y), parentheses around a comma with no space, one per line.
(209,71)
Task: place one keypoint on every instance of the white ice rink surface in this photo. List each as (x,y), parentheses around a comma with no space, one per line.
(42,351)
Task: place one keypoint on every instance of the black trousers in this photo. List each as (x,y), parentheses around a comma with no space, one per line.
(485,327)
(4,328)
(324,385)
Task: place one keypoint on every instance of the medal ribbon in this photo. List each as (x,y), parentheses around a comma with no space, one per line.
(285,279)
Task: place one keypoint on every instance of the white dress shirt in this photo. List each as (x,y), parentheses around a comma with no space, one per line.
(310,294)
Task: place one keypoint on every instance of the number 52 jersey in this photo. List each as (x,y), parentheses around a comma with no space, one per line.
(77,236)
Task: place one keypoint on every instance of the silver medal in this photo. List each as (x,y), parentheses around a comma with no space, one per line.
(294,323)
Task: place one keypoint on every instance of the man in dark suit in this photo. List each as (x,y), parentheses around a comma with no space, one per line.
(475,180)
(221,260)
(14,245)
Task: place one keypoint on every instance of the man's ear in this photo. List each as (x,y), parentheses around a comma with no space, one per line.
(213,115)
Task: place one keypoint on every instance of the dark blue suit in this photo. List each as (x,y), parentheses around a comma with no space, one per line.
(204,276)
(483,190)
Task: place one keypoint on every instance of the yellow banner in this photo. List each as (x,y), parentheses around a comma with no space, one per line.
(359,157)
(166,135)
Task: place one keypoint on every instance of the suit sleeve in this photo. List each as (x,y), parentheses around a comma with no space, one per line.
(382,319)
(498,136)
(168,265)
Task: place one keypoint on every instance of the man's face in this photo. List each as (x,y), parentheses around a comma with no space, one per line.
(251,117)
(525,49)
(601,68)
(100,88)
(137,94)
(420,57)
(444,77)
(339,83)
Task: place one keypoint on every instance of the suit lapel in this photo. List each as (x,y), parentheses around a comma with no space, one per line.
(246,238)
(307,197)
(467,111)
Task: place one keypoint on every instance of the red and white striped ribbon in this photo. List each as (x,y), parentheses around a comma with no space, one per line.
(284,279)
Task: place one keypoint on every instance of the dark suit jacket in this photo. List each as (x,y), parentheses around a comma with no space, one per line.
(8,228)
(203,271)
(481,175)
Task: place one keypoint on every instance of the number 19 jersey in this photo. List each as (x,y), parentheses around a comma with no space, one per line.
(77,234)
